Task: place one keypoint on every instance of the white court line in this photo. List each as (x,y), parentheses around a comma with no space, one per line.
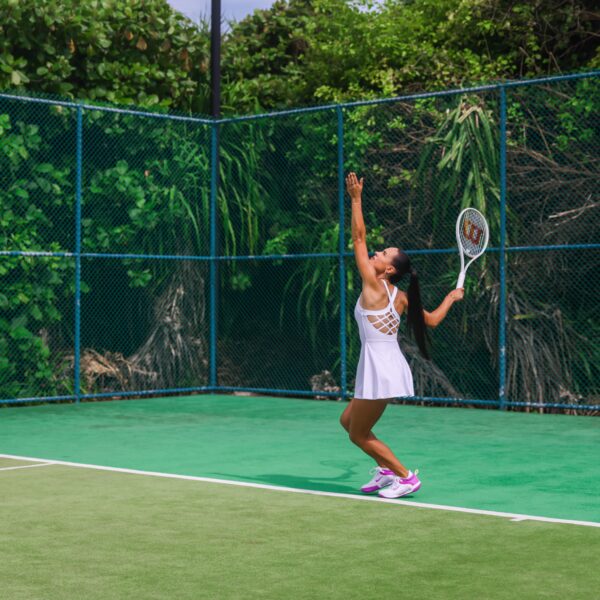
(44,464)
(476,511)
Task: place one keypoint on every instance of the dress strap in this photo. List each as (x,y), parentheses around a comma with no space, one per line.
(391,296)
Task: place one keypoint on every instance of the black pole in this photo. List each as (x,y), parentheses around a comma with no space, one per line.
(215,58)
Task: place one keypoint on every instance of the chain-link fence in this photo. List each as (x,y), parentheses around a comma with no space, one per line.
(146,253)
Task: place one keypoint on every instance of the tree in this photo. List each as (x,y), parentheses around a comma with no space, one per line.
(129,52)
(303,52)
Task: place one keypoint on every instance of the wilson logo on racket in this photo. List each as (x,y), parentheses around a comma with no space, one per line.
(471,231)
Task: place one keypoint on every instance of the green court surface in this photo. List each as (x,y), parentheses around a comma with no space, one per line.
(70,532)
(545,465)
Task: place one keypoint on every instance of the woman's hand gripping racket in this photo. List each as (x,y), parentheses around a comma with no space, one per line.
(472,236)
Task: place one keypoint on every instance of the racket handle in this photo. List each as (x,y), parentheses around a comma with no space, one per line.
(461,280)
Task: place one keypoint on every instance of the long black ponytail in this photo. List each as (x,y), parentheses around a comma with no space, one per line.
(415,317)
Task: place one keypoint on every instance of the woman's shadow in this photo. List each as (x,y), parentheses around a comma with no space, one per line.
(346,473)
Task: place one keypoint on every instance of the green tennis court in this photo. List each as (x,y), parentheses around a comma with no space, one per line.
(195,498)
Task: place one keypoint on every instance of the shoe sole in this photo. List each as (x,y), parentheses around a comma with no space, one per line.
(415,489)
(374,489)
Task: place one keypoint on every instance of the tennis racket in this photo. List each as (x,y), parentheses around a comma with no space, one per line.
(472,234)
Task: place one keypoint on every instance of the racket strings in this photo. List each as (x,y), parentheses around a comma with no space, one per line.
(387,323)
(473,233)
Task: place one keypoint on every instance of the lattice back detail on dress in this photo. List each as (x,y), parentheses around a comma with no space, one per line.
(387,323)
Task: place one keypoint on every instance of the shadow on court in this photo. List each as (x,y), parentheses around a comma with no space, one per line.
(342,483)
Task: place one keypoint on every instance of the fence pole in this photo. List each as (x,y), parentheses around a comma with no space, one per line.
(502,254)
(341,251)
(214,174)
(78,186)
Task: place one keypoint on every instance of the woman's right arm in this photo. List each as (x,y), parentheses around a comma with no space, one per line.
(435,317)
(359,231)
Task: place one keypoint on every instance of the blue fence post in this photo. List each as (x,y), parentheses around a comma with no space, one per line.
(214,175)
(502,255)
(78,186)
(341,251)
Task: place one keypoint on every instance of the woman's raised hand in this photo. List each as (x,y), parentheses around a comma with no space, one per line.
(354,186)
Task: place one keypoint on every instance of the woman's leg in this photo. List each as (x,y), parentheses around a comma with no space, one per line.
(360,417)
(346,417)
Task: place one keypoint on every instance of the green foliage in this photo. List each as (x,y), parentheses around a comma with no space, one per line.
(263,56)
(31,303)
(334,50)
(133,51)
(466,173)
(146,188)
(296,52)
(146,182)
(33,290)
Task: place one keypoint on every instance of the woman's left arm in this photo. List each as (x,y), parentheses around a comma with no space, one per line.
(434,318)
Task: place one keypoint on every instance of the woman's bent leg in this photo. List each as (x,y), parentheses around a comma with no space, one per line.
(363,416)
(346,417)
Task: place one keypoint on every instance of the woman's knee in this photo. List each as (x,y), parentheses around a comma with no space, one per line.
(345,417)
(345,421)
(357,438)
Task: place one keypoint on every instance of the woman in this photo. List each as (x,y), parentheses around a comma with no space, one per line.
(383,372)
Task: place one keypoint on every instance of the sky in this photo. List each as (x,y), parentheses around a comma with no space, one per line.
(230,9)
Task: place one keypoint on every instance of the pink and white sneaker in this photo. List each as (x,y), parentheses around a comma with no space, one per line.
(402,486)
(381,478)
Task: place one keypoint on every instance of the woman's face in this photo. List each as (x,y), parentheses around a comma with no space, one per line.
(382,260)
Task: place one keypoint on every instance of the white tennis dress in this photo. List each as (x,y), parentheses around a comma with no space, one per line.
(382,369)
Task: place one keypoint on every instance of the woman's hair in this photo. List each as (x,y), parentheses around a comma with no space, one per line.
(415,317)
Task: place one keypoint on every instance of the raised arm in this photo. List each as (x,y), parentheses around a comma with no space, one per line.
(434,318)
(354,187)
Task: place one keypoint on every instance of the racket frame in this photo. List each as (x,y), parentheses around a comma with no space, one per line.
(486,232)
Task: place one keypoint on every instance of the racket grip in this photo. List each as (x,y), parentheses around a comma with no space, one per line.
(461,280)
